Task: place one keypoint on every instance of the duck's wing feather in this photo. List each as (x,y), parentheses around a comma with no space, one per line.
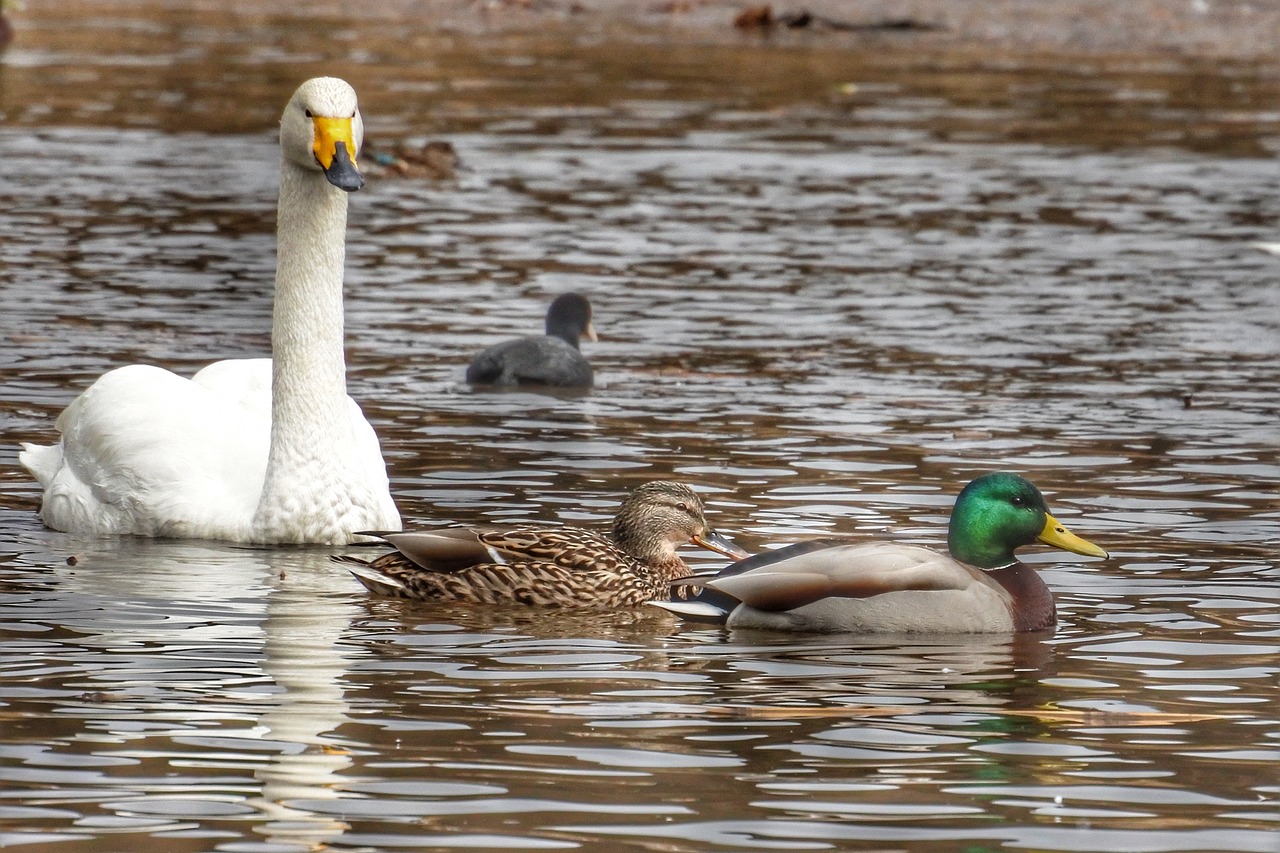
(524,581)
(447,550)
(378,581)
(766,558)
(798,576)
(456,548)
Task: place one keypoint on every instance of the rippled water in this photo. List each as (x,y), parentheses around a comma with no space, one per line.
(826,306)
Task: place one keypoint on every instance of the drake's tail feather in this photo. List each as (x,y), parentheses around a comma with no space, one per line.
(695,611)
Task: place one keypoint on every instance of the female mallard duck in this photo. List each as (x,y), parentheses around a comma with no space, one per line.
(550,359)
(436,160)
(883,587)
(250,450)
(551,566)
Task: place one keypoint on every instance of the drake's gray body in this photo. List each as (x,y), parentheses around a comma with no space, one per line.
(885,587)
(842,588)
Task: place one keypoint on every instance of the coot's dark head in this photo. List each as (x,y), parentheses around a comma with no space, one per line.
(569,318)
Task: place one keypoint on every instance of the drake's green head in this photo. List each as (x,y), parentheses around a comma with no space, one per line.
(997,513)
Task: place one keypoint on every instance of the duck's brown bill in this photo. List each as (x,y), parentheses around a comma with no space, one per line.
(713,541)
(1056,534)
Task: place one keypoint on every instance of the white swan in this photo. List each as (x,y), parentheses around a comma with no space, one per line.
(242,451)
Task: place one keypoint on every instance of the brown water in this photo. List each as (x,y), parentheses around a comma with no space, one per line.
(827,308)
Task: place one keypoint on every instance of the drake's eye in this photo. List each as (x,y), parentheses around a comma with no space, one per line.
(1018,501)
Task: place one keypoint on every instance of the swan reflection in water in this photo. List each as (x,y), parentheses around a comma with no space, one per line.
(182,636)
(303,654)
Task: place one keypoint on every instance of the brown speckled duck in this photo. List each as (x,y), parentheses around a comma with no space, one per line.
(548,565)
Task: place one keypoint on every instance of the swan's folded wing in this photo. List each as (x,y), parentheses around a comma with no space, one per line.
(146,451)
(244,381)
(843,571)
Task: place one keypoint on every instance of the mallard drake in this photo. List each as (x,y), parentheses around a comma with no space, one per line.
(547,565)
(265,450)
(550,359)
(884,587)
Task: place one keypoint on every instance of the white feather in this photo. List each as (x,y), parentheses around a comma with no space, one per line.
(247,450)
(695,611)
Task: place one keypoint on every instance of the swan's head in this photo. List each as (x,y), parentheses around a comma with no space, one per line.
(321,130)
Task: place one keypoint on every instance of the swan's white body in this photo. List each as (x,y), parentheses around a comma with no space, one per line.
(251,450)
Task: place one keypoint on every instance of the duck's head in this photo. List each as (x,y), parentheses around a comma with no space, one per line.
(659,517)
(321,130)
(569,318)
(997,513)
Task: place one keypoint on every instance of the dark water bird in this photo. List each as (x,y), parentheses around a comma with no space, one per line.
(550,359)
(549,565)
(885,587)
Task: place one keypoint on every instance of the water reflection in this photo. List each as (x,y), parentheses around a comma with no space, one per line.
(825,310)
(304,657)
(182,659)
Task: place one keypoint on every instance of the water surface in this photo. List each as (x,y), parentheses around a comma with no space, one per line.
(832,286)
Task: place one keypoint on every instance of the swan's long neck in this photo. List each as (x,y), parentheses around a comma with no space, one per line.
(310,421)
(310,375)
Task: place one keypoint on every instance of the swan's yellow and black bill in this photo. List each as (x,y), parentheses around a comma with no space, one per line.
(335,152)
(715,542)
(1057,535)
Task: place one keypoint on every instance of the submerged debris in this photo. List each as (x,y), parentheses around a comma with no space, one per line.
(763,18)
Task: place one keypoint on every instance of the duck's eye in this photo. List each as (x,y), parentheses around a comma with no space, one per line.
(309,114)
(682,506)
(1018,501)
